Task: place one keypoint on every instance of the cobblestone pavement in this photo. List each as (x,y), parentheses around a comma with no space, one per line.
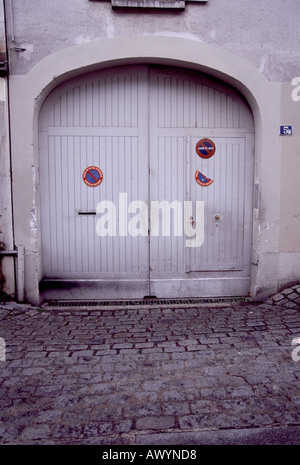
(203,375)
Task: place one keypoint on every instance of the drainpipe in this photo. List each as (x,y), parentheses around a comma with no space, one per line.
(3,47)
(20,255)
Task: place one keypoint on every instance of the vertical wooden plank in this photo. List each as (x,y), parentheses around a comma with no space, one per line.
(71,204)
(77,173)
(174,109)
(236,115)
(63,110)
(64,177)
(48,209)
(76,106)
(199,106)
(95,99)
(108,102)
(180,104)
(70,108)
(160,108)
(192,105)
(121,91)
(167,102)
(56,110)
(205,106)
(83,97)
(127,101)
(115,101)
(102,102)
(223,113)
(229,108)
(103,260)
(211,108)
(243,218)
(58,214)
(217,108)
(136,116)
(186,104)
(89,104)
(222,181)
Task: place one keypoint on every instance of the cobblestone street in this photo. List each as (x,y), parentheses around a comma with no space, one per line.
(207,375)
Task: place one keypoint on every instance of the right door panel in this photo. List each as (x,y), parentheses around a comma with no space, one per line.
(202,246)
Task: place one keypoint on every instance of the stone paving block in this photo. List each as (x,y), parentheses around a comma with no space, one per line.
(243,391)
(213,393)
(156,385)
(182,355)
(293,295)
(107,413)
(155,423)
(195,421)
(204,406)
(291,305)
(124,426)
(287,291)
(204,381)
(172,365)
(48,416)
(64,434)
(278,297)
(36,432)
(176,408)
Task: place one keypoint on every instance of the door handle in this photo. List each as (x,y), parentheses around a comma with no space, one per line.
(192,220)
(217,217)
(87,213)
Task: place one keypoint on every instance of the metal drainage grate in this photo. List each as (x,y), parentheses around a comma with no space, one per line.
(144,302)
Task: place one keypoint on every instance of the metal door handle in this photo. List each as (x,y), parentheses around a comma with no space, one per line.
(87,213)
(217,217)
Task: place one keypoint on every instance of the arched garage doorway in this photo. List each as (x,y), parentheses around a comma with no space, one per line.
(170,218)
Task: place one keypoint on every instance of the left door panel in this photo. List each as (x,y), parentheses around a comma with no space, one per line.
(91,236)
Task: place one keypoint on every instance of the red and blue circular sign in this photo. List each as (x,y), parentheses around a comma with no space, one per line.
(203,180)
(92,176)
(205,148)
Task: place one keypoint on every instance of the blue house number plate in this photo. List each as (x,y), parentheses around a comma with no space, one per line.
(286,130)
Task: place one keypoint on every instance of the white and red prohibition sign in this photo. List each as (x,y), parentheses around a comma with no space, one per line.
(92,176)
(205,148)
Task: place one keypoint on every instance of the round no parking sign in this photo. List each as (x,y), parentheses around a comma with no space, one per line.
(92,176)
(205,148)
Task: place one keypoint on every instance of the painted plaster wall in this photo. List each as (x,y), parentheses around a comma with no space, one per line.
(265,33)
(7,282)
(289,235)
(290,172)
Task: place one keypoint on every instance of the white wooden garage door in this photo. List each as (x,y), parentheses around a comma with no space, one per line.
(155,225)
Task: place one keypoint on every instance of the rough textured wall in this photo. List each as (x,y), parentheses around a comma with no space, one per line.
(6,233)
(265,32)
